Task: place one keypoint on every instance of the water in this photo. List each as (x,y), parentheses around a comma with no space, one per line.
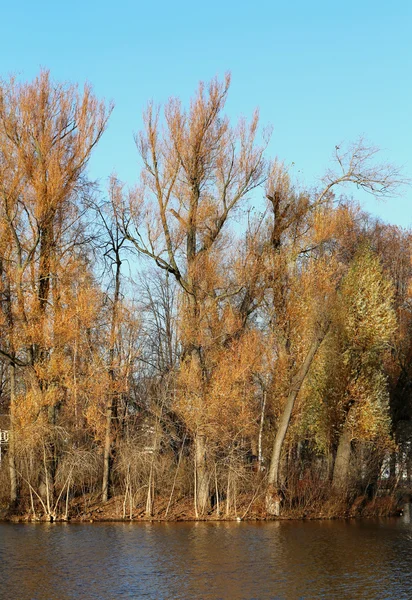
(329,559)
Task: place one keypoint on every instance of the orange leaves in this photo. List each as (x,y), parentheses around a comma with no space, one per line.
(231,405)
(196,170)
(52,128)
(190,400)
(223,404)
(331,223)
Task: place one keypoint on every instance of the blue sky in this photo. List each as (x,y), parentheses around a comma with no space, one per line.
(322,72)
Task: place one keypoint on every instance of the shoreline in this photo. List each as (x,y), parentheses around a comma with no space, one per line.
(182,512)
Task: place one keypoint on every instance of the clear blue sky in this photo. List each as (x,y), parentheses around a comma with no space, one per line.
(322,72)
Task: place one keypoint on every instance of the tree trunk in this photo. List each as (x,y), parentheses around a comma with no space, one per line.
(273,496)
(262,420)
(7,311)
(342,460)
(107,452)
(111,401)
(202,477)
(11,448)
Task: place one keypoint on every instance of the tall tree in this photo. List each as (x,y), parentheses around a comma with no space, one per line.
(47,134)
(196,171)
(112,243)
(369,322)
(301,227)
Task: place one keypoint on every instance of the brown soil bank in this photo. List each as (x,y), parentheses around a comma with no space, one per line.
(88,509)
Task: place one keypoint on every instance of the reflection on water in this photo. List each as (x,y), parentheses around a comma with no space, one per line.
(326,559)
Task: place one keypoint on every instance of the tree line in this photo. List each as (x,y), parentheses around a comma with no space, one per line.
(255,357)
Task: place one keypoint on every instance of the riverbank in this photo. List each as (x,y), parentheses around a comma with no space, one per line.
(89,509)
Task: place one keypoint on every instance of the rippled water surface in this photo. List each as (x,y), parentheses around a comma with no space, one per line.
(334,559)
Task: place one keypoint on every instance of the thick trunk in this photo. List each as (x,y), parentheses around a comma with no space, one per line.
(46,245)
(342,461)
(202,499)
(201,496)
(40,353)
(11,447)
(7,311)
(273,497)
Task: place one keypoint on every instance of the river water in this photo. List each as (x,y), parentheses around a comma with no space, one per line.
(324,559)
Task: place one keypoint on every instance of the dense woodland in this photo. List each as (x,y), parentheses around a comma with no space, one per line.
(217,336)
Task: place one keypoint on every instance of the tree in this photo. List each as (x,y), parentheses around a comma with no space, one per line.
(112,243)
(368,323)
(196,172)
(47,134)
(299,218)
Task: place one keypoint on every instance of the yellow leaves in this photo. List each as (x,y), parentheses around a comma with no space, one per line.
(369,416)
(27,407)
(368,316)
(32,405)
(347,379)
